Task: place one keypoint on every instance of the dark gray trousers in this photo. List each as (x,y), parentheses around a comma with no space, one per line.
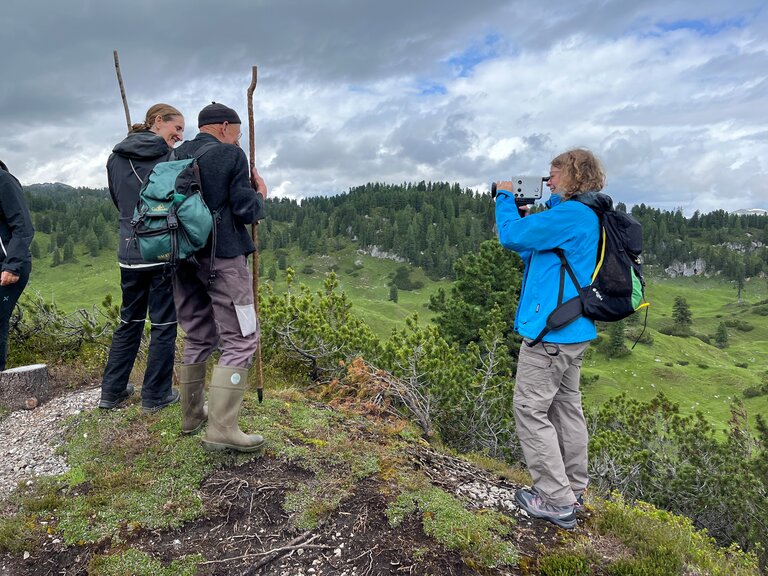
(217,315)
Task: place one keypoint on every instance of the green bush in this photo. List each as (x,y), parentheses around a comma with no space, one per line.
(753,392)
(42,333)
(706,338)
(637,334)
(587,379)
(649,451)
(675,331)
(740,325)
(666,544)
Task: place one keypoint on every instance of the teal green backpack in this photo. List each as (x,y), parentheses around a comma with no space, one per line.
(171,220)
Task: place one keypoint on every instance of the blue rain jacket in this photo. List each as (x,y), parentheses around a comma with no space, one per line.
(571,226)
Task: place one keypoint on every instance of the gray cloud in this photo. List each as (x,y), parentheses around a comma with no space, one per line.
(671,95)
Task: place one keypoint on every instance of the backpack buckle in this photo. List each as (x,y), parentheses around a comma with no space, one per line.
(173,221)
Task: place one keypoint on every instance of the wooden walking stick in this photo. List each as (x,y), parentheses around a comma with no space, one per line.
(122,90)
(255,236)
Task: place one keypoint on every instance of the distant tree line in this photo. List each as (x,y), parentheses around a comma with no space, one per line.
(427,224)
(733,245)
(76,221)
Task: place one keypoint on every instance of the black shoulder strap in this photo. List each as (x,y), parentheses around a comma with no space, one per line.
(205,148)
(565,312)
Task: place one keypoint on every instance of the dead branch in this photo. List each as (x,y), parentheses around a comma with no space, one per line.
(273,554)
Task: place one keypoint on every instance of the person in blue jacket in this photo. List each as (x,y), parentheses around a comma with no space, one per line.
(548,413)
(16,234)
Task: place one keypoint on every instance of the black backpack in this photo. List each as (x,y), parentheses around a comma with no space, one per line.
(617,289)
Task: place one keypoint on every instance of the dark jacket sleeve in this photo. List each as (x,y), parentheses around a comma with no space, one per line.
(14,211)
(110,172)
(247,204)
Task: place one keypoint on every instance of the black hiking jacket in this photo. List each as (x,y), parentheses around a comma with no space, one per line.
(225,177)
(16,229)
(139,151)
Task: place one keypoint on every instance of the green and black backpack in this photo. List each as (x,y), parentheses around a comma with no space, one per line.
(171,220)
(617,289)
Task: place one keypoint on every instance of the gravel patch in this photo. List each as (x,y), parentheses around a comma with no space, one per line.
(29,438)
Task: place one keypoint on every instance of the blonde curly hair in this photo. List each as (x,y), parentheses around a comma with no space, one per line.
(580,171)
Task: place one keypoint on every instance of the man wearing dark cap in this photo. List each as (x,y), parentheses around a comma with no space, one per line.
(15,259)
(214,297)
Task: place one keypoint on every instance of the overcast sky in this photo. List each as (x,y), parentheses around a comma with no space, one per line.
(673,96)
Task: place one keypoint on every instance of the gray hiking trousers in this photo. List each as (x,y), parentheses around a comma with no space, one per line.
(549,419)
(221,315)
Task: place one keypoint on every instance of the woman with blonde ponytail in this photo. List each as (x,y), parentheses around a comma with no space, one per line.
(146,286)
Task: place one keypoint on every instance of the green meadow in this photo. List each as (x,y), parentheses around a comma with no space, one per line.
(692,373)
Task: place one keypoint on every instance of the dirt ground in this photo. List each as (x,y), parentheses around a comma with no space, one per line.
(246,531)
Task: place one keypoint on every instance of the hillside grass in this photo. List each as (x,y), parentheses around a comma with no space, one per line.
(365,280)
(690,372)
(693,374)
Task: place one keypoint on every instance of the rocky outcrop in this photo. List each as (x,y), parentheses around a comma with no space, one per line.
(696,268)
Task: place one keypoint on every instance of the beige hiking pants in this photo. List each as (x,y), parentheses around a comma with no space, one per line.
(549,419)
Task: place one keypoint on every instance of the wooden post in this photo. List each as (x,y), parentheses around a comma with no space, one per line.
(255,235)
(122,90)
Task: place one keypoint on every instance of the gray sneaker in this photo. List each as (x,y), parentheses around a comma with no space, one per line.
(563,516)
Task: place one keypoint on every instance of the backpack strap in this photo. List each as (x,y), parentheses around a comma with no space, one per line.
(204,149)
(565,312)
(134,172)
(171,157)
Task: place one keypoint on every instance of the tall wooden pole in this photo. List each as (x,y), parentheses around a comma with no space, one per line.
(255,236)
(122,90)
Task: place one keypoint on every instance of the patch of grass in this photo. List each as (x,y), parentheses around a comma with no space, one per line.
(665,543)
(514,473)
(311,503)
(564,564)
(138,563)
(324,442)
(20,532)
(128,471)
(474,535)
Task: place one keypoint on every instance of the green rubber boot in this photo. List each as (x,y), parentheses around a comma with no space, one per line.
(194,412)
(225,398)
